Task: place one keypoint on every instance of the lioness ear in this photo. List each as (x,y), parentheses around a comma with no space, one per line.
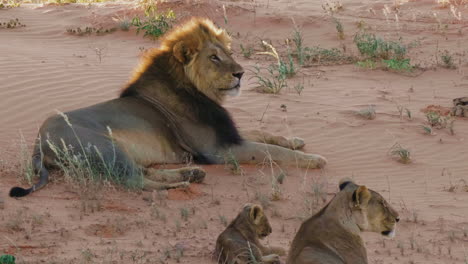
(181,52)
(255,213)
(361,196)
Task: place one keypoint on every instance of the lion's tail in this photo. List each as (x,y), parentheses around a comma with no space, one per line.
(38,166)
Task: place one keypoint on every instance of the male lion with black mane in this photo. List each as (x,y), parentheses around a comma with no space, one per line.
(332,236)
(170,112)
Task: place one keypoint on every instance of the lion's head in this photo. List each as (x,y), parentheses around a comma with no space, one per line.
(370,211)
(198,53)
(252,218)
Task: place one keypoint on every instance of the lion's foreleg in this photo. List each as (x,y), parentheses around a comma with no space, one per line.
(150,185)
(268,138)
(253,152)
(190,174)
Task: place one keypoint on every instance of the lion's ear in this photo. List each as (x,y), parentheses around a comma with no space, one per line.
(181,52)
(361,196)
(255,213)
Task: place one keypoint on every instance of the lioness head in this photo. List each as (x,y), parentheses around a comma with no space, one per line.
(253,216)
(370,211)
(204,50)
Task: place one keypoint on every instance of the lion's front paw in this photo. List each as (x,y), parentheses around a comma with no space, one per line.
(278,250)
(312,161)
(193,174)
(296,143)
(273,259)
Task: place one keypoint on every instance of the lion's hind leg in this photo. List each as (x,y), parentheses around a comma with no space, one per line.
(268,138)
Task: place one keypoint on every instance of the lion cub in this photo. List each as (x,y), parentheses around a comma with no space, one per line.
(332,236)
(239,243)
(460,107)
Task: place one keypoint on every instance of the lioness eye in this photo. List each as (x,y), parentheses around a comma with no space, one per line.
(214,58)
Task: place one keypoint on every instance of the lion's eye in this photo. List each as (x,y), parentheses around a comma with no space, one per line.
(214,58)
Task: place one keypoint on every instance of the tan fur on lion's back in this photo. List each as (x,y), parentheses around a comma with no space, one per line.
(332,236)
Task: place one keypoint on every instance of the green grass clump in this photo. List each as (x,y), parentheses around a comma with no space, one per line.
(375,47)
(7,259)
(368,64)
(246,51)
(447,60)
(390,54)
(398,65)
(403,154)
(154,24)
(339,28)
(272,82)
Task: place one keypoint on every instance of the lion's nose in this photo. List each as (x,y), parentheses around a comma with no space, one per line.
(397,219)
(238,75)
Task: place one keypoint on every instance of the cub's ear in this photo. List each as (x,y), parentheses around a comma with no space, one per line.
(345,182)
(182,53)
(255,213)
(361,196)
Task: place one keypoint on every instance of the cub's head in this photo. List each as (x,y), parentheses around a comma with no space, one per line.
(253,217)
(370,211)
(204,51)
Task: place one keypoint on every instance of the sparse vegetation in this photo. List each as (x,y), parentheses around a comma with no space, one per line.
(232,164)
(123,23)
(367,113)
(90,30)
(10,4)
(447,60)
(339,28)
(403,154)
(223,220)
(246,51)
(154,24)
(12,23)
(390,54)
(272,82)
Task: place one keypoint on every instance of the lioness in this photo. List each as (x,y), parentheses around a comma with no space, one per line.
(332,236)
(170,112)
(239,242)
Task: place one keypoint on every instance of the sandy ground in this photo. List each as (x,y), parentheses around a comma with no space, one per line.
(42,68)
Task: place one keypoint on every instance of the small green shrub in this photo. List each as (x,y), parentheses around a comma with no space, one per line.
(398,65)
(447,60)
(375,47)
(272,82)
(7,259)
(339,28)
(379,52)
(154,24)
(246,52)
(403,154)
(368,64)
